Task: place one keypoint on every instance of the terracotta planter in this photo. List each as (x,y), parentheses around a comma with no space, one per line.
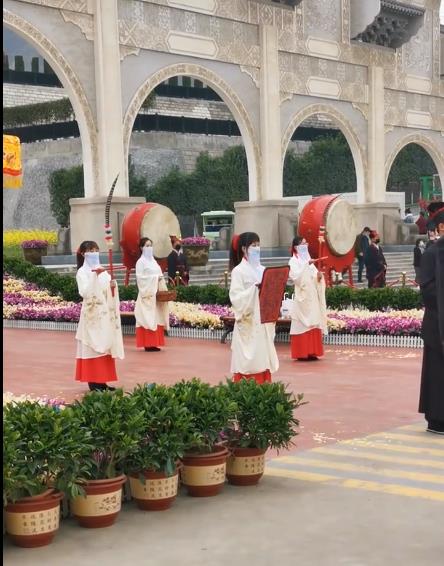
(33,521)
(204,474)
(101,505)
(245,466)
(196,255)
(157,493)
(34,255)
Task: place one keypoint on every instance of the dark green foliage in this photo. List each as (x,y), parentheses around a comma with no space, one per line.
(397,298)
(264,415)
(212,412)
(206,294)
(165,425)
(113,420)
(43,447)
(326,168)
(65,184)
(411,163)
(40,113)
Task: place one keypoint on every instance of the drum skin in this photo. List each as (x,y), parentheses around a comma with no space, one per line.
(318,212)
(151,220)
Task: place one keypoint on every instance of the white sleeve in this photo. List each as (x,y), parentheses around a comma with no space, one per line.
(242,298)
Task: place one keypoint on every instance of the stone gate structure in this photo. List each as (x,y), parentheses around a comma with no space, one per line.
(373,67)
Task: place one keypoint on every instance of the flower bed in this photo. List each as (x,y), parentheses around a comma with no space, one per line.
(26,301)
(16,237)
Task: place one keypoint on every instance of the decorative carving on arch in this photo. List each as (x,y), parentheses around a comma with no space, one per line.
(26,28)
(230,98)
(357,147)
(426,143)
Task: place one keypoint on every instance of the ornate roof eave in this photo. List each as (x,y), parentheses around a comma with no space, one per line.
(401,8)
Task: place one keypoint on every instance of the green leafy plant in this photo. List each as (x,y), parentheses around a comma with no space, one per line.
(40,113)
(162,432)
(212,411)
(264,415)
(43,447)
(113,420)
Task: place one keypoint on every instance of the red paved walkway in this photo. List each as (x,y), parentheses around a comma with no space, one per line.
(351,392)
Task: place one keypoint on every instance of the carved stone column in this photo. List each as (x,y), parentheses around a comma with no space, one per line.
(376,137)
(108,98)
(271,185)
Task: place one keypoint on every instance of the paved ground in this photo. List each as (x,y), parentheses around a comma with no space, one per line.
(353,391)
(364,486)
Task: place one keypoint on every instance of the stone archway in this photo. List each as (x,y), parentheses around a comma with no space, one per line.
(74,89)
(427,144)
(349,134)
(228,96)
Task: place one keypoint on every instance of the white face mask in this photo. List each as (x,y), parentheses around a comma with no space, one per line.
(302,250)
(147,252)
(254,255)
(92,259)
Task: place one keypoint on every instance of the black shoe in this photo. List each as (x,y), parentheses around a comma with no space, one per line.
(152,349)
(96,386)
(437,427)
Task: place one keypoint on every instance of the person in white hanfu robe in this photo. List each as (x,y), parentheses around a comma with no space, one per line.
(99,334)
(253,351)
(152,317)
(309,311)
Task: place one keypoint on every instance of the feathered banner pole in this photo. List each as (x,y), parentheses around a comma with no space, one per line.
(108,231)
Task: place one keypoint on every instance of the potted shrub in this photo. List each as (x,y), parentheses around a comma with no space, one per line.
(33,250)
(152,468)
(264,419)
(196,250)
(41,460)
(204,461)
(113,420)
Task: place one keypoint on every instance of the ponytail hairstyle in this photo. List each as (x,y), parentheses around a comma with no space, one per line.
(296,241)
(86,246)
(237,243)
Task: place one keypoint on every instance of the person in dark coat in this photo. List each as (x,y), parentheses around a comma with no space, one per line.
(375,263)
(361,246)
(418,250)
(177,262)
(431,399)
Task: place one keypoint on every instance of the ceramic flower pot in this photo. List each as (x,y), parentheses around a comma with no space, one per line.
(204,474)
(245,466)
(157,493)
(101,503)
(33,521)
(34,255)
(197,255)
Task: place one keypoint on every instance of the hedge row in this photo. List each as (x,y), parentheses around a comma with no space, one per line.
(401,298)
(42,112)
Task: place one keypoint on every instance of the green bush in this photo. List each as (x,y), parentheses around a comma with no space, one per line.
(40,113)
(397,298)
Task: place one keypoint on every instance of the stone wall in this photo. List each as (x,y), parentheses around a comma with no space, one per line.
(19,95)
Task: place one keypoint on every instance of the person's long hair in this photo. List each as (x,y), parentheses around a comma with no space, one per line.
(296,241)
(86,246)
(237,243)
(142,243)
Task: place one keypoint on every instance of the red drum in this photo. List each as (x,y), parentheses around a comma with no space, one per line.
(153,221)
(337,218)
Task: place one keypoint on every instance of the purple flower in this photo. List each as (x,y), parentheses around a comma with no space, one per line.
(34,244)
(196,241)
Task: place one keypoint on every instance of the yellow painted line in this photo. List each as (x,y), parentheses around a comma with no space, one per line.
(408,438)
(393,489)
(389,473)
(393,447)
(380,457)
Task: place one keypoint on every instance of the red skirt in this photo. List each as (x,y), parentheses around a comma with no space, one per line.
(96,370)
(150,338)
(260,377)
(307,345)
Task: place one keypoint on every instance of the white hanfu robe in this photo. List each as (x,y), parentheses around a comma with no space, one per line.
(148,312)
(309,308)
(252,345)
(99,332)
